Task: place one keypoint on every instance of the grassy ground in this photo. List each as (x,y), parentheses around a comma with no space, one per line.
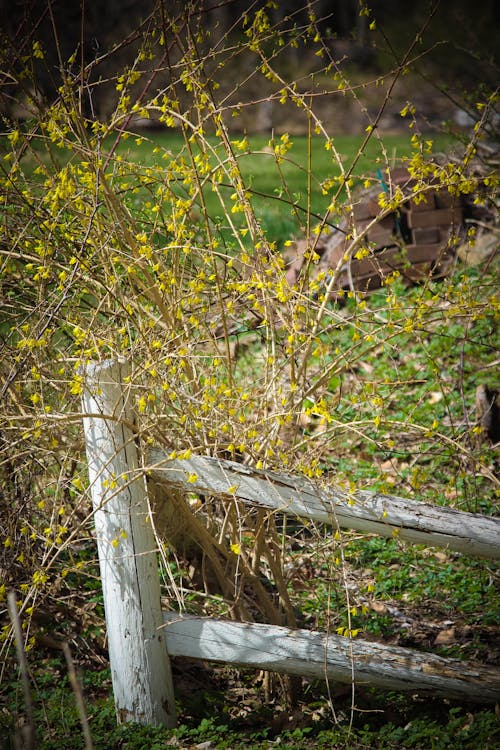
(412,596)
(289,197)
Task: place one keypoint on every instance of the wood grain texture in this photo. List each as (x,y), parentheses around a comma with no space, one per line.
(371,512)
(140,667)
(317,655)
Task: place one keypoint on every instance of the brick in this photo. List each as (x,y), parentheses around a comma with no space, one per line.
(382,233)
(396,257)
(368,209)
(363,211)
(414,262)
(400,176)
(422,253)
(433,218)
(381,236)
(294,256)
(445,232)
(426,236)
(387,222)
(379,264)
(373,206)
(445,200)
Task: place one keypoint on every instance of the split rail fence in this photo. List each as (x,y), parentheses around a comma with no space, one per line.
(141,637)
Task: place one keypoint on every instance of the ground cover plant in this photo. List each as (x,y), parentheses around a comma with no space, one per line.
(166,247)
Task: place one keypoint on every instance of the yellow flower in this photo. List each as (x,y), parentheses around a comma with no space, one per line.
(39,578)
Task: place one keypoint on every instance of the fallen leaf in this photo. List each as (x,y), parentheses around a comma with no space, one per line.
(435,397)
(484,246)
(366,367)
(445,637)
(441,557)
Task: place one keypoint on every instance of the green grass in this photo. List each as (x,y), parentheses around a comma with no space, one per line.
(413,727)
(388,721)
(286,201)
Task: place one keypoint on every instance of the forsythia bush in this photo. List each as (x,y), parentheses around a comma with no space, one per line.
(105,254)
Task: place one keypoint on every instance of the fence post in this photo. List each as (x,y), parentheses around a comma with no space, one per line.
(140,666)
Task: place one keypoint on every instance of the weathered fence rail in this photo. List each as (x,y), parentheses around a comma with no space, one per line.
(372,512)
(325,656)
(138,630)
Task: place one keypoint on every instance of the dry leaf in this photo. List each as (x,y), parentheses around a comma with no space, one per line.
(435,397)
(445,637)
(366,367)
(442,557)
(484,246)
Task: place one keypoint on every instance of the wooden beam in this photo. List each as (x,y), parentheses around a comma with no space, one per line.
(372,512)
(140,667)
(317,655)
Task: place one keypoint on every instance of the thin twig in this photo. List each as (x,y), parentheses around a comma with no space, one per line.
(28,729)
(77,690)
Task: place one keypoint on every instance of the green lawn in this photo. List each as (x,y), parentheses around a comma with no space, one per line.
(288,198)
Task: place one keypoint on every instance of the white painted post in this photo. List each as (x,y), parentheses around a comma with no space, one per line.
(140,666)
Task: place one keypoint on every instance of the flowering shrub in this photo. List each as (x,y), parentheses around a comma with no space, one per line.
(166,261)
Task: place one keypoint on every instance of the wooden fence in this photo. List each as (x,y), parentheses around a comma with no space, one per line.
(141,637)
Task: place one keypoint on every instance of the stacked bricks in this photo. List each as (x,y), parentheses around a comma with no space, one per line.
(414,241)
(430,220)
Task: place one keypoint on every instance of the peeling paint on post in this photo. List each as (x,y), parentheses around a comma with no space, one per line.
(140,666)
